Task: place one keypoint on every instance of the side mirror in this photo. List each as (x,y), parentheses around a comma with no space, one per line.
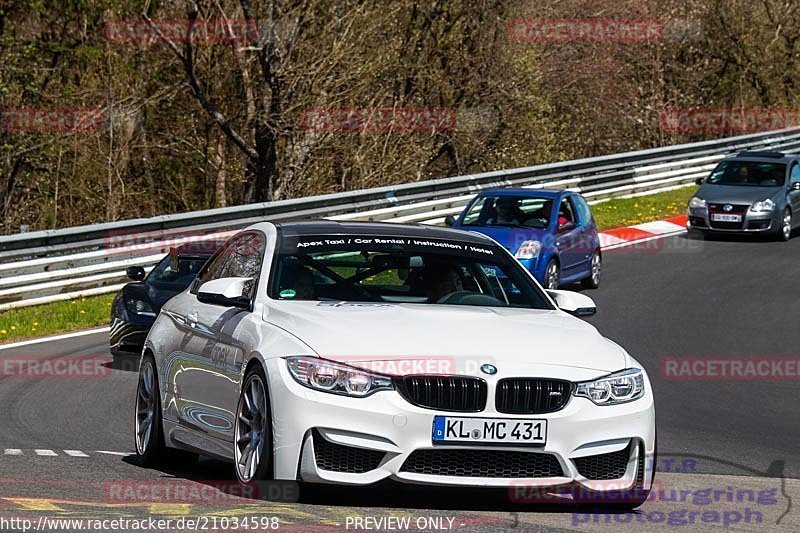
(135,273)
(700,181)
(573,303)
(795,186)
(228,292)
(450,220)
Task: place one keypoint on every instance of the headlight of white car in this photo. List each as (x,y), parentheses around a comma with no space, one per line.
(328,376)
(697,203)
(619,387)
(764,206)
(529,250)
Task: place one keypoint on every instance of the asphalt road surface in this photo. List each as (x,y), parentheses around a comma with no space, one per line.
(729,450)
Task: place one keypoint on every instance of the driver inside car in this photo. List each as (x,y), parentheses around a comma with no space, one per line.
(300,281)
(507,211)
(441,279)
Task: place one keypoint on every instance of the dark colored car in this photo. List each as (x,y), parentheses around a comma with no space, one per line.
(750,192)
(137,304)
(551,232)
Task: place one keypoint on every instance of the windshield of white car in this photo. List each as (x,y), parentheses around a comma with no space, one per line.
(748,173)
(401,270)
(509,211)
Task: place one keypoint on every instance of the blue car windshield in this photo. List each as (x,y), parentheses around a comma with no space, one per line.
(748,173)
(509,211)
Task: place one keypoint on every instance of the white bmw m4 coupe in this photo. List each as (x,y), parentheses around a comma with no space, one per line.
(351,353)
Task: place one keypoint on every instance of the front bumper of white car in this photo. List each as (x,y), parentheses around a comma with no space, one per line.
(326,438)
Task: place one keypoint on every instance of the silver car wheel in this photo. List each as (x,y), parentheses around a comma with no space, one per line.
(787,225)
(145,407)
(551,276)
(252,424)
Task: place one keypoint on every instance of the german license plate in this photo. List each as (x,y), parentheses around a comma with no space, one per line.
(509,431)
(722,217)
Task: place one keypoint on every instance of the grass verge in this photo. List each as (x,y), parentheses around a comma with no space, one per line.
(631,211)
(56,317)
(83,313)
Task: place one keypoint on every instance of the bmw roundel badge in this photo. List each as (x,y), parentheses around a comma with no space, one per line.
(486,368)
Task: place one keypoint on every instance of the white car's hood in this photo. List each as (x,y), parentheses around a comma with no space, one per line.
(518,341)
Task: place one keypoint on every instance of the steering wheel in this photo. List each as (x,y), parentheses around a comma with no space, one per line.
(469,298)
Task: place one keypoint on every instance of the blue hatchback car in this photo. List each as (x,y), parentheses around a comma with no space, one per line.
(552,233)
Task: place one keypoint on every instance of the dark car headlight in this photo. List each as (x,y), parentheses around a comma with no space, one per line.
(139,307)
(337,378)
(619,387)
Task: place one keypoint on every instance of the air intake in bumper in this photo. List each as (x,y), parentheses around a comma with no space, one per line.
(605,466)
(482,463)
(339,458)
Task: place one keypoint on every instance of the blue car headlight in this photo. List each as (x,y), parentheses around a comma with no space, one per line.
(529,250)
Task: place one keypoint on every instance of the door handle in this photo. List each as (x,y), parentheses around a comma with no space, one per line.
(192,318)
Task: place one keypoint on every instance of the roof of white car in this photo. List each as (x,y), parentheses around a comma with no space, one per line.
(332,227)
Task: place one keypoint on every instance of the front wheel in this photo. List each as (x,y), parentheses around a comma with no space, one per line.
(552,275)
(786,225)
(147,426)
(253,429)
(592,281)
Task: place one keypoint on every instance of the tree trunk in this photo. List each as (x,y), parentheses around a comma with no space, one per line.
(220,194)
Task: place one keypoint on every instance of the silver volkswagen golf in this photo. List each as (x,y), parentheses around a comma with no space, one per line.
(750,192)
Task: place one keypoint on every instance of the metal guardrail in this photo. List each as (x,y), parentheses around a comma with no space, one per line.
(51,265)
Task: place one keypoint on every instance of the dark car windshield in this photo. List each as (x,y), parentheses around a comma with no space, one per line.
(400,270)
(513,211)
(167,275)
(748,173)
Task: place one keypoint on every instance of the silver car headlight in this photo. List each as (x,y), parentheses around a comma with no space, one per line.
(619,387)
(764,206)
(697,203)
(336,378)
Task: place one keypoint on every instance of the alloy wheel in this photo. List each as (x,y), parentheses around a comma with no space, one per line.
(552,275)
(596,269)
(145,407)
(252,428)
(786,228)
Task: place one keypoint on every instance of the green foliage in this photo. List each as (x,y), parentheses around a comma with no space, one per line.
(56,317)
(160,151)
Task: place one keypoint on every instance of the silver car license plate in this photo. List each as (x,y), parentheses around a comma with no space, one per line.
(722,217)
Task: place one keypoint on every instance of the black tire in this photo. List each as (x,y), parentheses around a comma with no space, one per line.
(155,452)
(592,281)
(150,448)
(260,430)
(552,264)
